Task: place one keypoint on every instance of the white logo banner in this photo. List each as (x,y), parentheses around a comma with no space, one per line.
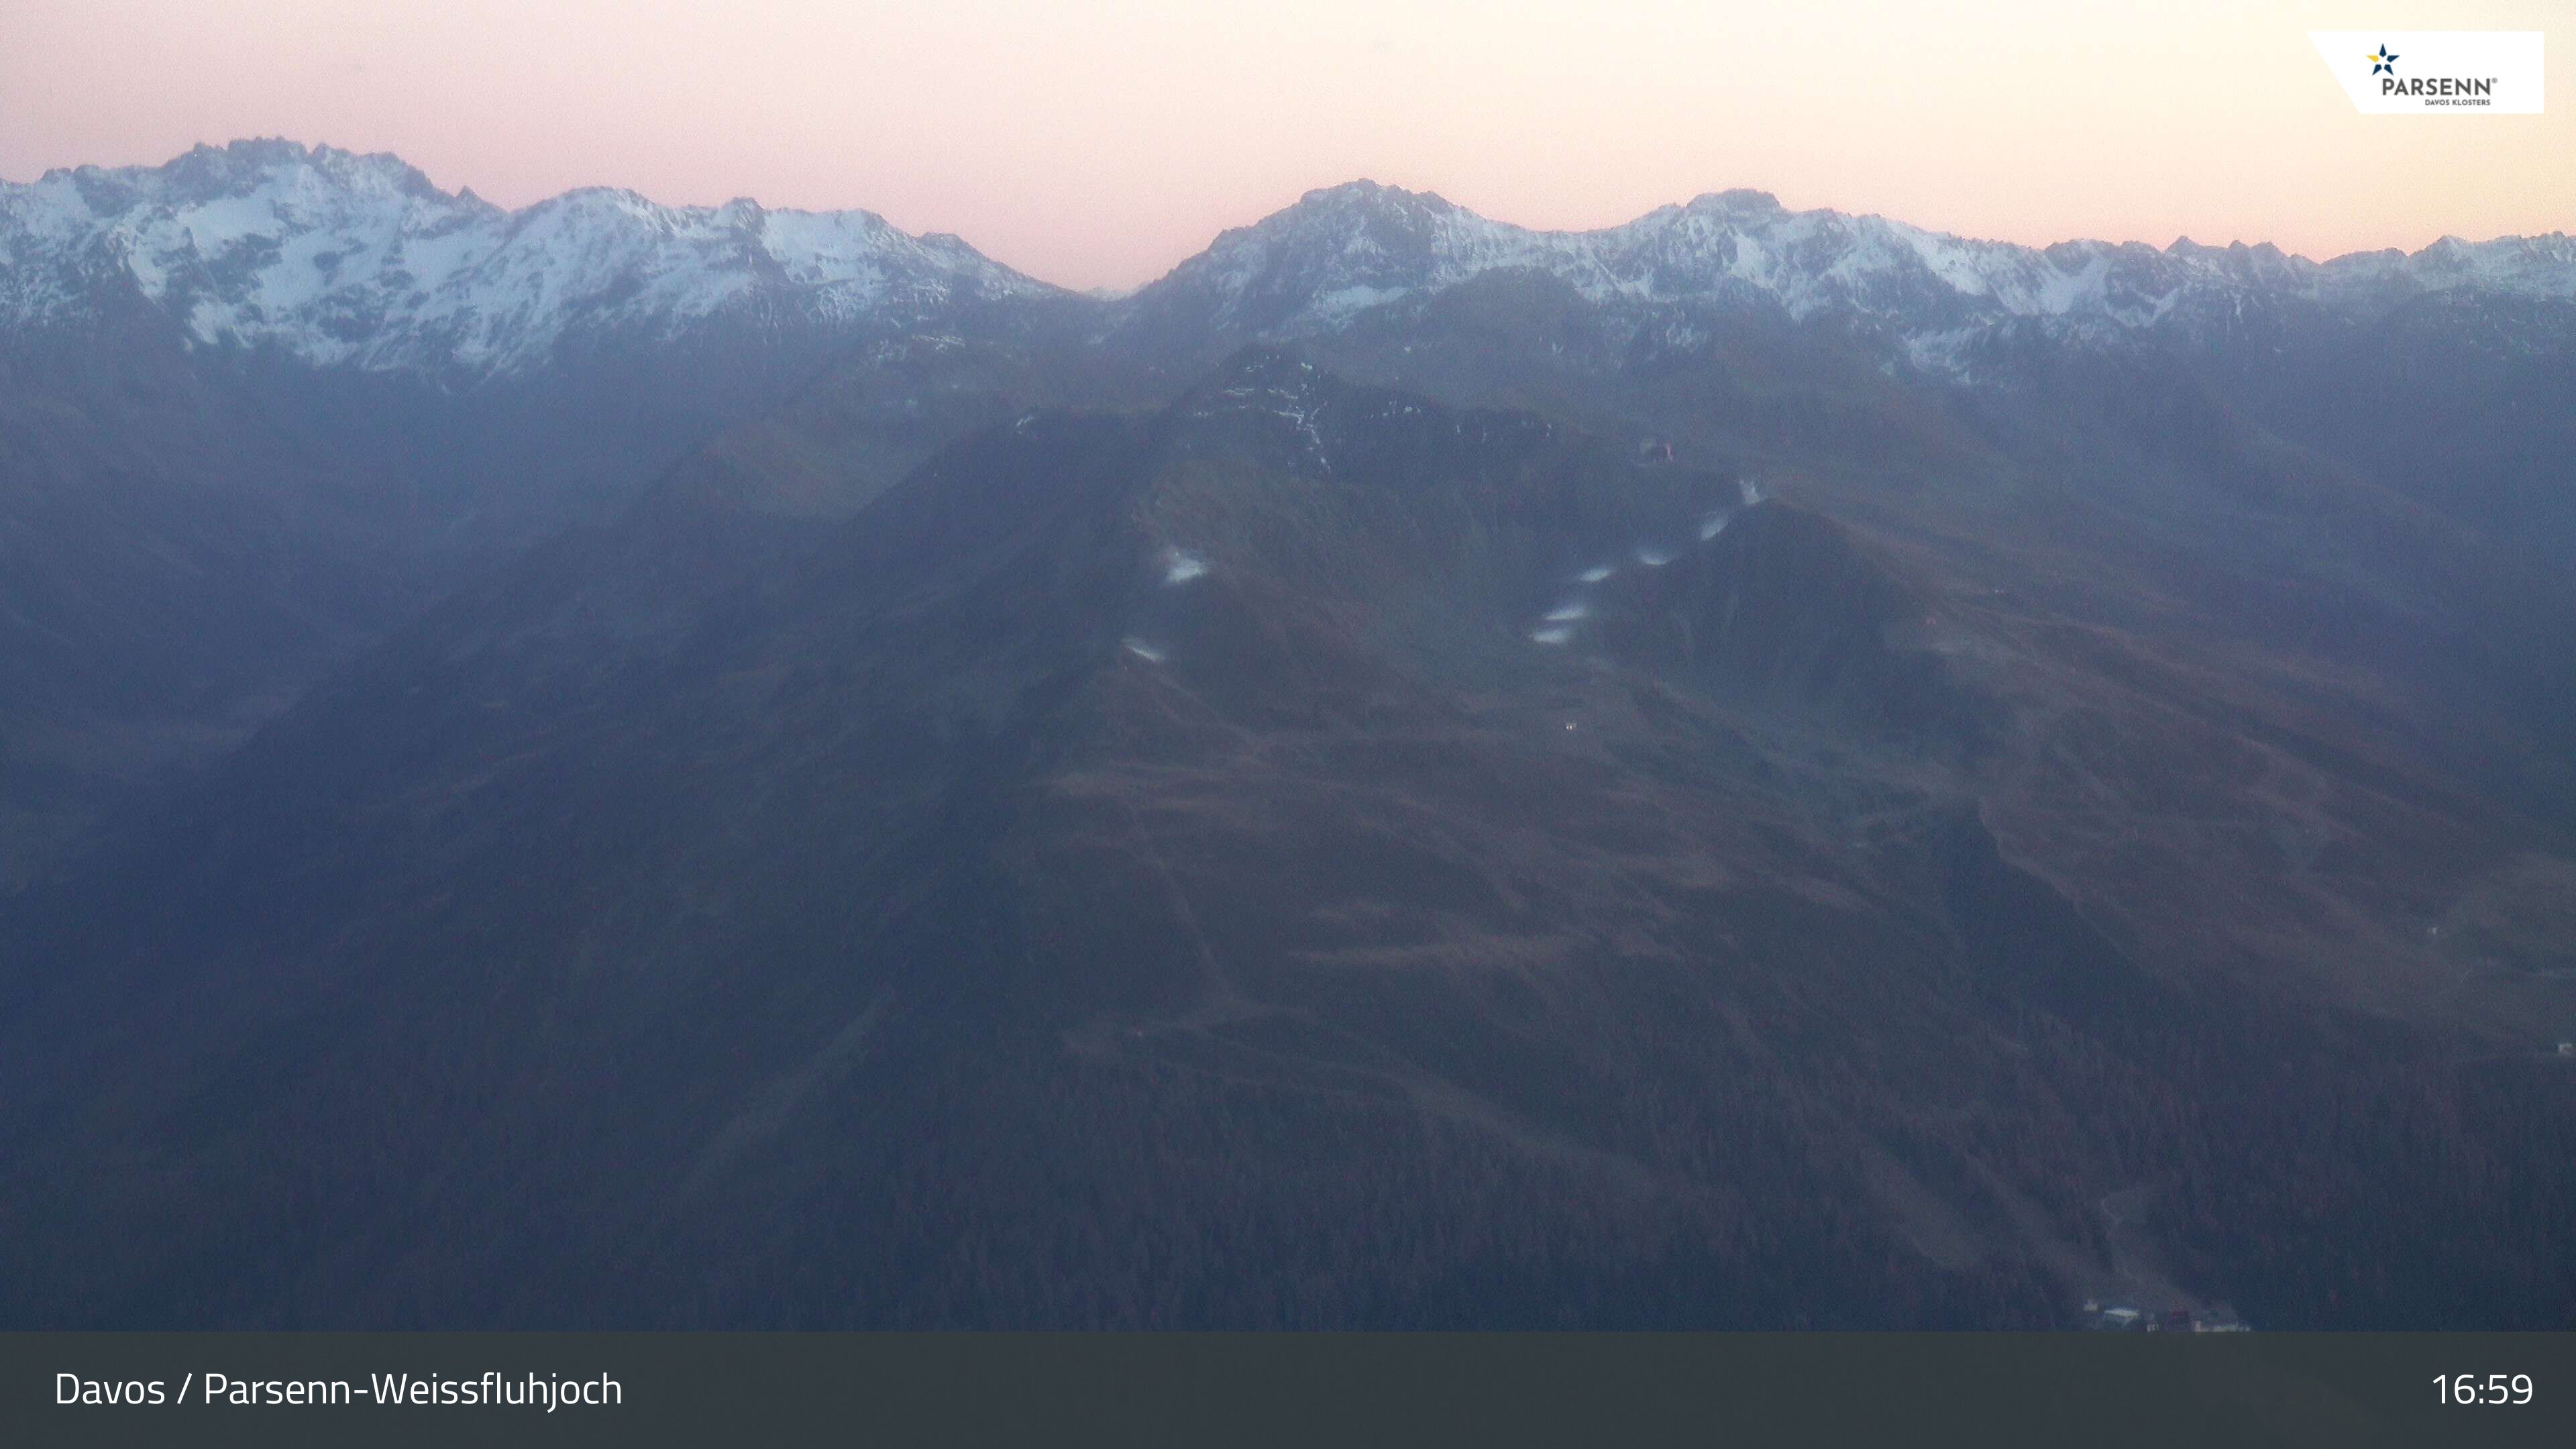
(2437,72)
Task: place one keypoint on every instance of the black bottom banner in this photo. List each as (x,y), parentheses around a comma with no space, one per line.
(1304,1389)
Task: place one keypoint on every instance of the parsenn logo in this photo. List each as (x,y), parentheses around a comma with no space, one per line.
(2448,72)
(2469,90)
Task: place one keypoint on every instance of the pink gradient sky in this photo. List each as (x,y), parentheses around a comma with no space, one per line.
(1097,142)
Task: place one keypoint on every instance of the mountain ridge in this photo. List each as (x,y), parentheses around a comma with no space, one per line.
(1377,244)
(346,259)
(358,260)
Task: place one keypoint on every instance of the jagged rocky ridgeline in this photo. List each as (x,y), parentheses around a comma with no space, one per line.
(339,259)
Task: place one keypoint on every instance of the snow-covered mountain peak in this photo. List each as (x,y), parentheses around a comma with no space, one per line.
(340,259)
(1338,252)
(345,260)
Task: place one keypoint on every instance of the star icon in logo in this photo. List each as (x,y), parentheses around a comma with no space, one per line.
(2382,60)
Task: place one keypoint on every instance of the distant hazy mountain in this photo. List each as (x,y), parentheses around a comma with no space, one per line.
(264,401)
(2449,374)
(1751,768)
(492,374)
(517,366)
